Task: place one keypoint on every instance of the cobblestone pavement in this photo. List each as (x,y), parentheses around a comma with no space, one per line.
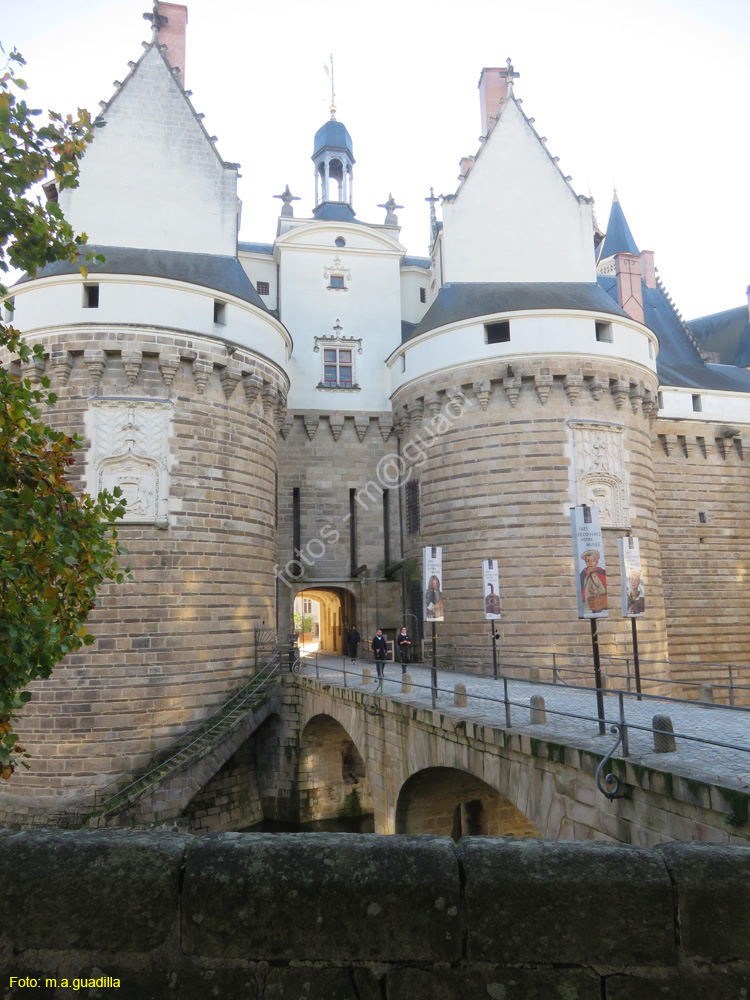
(729,765)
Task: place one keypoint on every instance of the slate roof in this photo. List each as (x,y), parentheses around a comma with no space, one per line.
(725,333)
(256,247)
(407,330)
(679,361)
(333,135)
(416,262)
(464,300)
(619,239)
(334,211)
(223,274)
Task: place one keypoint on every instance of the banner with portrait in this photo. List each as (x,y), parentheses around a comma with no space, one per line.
(491,584)
(631,578)
(590,565)
(432,576)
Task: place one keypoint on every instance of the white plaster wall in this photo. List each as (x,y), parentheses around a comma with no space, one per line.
(545,334)
(52,303)
(261,267)
(412,279)
(369,308)
(514,217)
(724,407)
(151,178)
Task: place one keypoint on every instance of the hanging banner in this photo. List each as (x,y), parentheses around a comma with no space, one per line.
(631,578)
(432,574)
(588,552)
(490,579)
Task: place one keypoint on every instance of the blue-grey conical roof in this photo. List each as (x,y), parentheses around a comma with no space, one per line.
(619,239)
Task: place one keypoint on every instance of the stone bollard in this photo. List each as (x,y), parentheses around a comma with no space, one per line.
(459,696)
(664,742)
(406,684)
(534,675)
(538,713)
(706,693)
(366,675)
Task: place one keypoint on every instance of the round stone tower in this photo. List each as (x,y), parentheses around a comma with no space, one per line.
(524,391)
(173,371)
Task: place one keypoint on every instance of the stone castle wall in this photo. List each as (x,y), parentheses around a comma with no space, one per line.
(326,456)
(266,916)
(499,481)
(703,506)
(176,639)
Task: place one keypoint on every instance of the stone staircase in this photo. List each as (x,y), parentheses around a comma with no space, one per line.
(188,748)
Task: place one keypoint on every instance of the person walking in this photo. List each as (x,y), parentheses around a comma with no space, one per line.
(353,639)
(404,648)
(379,648)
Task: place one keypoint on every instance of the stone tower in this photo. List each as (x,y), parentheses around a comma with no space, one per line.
(558,384)
(167,362)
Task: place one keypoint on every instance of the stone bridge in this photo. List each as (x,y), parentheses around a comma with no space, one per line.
(313,752)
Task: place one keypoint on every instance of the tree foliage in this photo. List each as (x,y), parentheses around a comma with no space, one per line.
(55,548)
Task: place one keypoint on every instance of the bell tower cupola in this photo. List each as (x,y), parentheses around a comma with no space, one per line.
(333,157)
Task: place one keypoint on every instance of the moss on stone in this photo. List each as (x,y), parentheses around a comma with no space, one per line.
(555,752)
(740,807)
(351,806)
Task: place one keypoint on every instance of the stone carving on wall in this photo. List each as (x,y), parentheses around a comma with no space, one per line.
(600,471)
(130,449)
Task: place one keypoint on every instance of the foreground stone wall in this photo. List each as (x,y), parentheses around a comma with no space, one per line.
(347,917)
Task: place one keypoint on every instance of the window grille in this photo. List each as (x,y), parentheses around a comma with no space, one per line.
(412,507)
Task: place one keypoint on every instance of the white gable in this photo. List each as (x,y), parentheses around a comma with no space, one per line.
(151,177)
(515,218)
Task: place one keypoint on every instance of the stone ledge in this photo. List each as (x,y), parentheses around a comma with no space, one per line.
(379,918)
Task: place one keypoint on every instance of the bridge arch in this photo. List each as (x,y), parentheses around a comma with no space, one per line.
(333,780)
(453,802)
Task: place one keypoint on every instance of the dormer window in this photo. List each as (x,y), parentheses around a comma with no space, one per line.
(337,275)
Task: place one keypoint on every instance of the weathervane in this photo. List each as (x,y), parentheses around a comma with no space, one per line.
(329,72)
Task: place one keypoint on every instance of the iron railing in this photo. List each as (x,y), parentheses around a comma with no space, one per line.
(503,705)
(197,740)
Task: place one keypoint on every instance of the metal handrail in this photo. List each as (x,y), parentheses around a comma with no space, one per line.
(620,721)
(257,684)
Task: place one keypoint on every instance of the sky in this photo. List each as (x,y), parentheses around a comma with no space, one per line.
(647,95)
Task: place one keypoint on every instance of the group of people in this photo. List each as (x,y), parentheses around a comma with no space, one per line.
(379,646)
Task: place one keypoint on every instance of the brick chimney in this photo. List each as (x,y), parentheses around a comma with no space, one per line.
(629,291)
(648,271)
(493,89)
(172,35)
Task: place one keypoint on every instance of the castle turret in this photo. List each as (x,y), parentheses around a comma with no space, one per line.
(333,157)
(525,390)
